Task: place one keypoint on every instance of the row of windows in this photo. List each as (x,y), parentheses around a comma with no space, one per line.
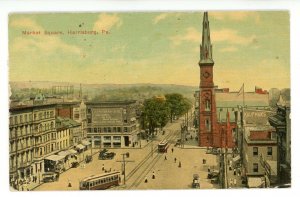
(109,130)
(28,117)
(269,151)
(108,138)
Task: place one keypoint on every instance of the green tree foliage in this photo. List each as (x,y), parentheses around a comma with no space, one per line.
(155,114)
(178,104)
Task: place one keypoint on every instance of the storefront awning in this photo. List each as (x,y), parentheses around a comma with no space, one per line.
(72,151)
(85,142)
(64,153)
(80,146)
(55,157)
(237,158)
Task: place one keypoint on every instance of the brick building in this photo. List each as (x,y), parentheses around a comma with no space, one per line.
(211,132)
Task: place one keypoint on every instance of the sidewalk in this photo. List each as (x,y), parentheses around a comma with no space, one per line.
(234,179)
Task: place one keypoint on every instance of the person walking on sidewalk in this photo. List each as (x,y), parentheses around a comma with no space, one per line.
(153,175)
(175,159)
(172,150)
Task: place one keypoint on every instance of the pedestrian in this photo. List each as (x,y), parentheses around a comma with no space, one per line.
(179,165)
(165,157)
(69,183)
(234,171)
(153,175)
(203,161)
(172,150)
(208,169)
(234,182)
(146,180)
(175,159)
(102,167)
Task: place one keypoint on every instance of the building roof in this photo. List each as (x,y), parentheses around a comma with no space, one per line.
(125,102)
(66,123)
(30,107)
(257,117)
(232,99)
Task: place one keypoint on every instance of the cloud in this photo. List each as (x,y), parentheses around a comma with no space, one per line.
(191,35)
(232,36)
(224,35)
(159,18)
(106,22)
(229,49)
(235,16)
(25,23)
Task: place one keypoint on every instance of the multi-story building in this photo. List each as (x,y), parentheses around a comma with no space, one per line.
(282,123)
(79,115)
(260,155)
(112,124)
(258,148)
(32,136)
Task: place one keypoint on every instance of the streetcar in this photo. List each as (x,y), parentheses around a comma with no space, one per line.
(100,181)
(163,146)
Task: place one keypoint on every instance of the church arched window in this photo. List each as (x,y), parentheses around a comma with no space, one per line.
(207,105)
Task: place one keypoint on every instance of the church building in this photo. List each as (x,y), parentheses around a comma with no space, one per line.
(212,133)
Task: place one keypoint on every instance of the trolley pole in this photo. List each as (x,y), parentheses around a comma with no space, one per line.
(124,164)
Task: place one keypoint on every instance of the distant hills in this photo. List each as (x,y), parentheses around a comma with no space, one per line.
(26,89)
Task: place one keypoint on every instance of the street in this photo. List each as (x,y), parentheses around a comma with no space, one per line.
(144,163)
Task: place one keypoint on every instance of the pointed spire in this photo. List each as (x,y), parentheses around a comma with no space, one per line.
(205,47)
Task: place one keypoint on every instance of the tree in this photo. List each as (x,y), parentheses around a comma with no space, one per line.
(155,113)
(178,104)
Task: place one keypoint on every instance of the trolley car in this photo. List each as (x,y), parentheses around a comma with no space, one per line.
(163,146)
(100,181)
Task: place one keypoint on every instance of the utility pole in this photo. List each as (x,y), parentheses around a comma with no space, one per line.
(124,164)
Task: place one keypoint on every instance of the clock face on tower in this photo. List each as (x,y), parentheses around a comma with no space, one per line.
(206,74)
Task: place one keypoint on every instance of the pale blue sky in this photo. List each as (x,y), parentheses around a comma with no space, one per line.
(248,47)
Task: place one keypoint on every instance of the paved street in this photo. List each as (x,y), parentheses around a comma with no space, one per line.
(167,173)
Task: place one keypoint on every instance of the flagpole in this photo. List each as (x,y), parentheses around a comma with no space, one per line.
(243,95)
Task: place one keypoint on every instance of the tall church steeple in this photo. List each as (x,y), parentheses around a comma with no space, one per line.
(206,47)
